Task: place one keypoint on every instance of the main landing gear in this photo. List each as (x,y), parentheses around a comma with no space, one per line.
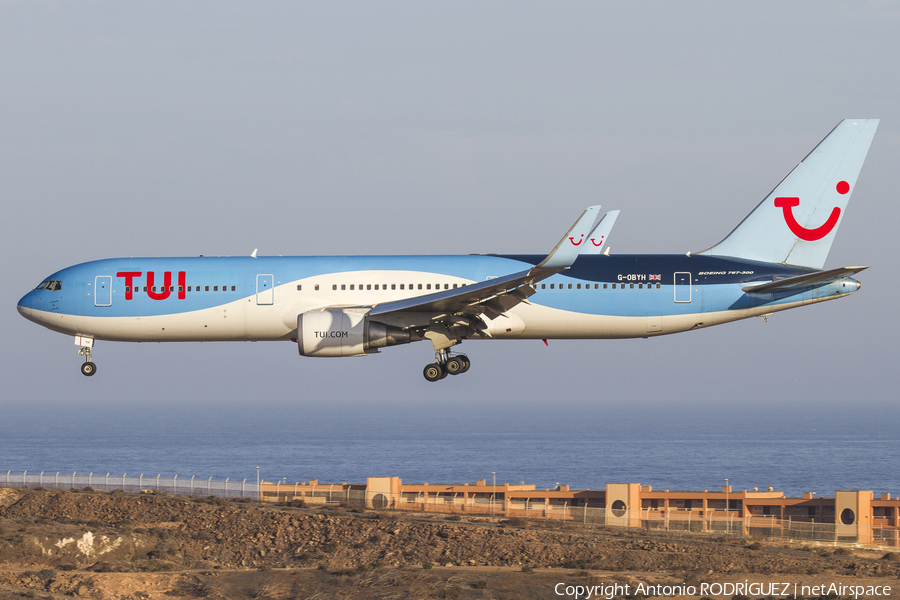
(445,364)
(88,368)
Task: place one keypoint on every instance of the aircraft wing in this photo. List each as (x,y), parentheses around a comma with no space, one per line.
(802,282)
(492,297)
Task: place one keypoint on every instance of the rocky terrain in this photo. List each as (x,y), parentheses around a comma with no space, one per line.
(60,543)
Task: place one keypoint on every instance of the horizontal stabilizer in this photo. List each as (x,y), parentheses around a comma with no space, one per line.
(802,282)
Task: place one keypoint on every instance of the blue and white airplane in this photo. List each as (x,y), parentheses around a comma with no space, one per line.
(335,306)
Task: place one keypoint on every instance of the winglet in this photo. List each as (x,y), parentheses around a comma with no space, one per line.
(596,240)
(566,251)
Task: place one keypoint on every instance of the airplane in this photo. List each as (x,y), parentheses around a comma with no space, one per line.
(338,306)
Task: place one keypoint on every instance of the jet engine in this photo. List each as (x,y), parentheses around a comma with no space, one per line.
(336,333)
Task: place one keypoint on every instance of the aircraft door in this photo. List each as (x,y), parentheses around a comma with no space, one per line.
(265,289)
(682,287)
(103,290)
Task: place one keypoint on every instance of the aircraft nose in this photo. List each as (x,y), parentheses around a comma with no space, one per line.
(24,306)
(858,285)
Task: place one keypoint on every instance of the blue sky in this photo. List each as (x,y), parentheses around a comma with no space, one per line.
(150,129)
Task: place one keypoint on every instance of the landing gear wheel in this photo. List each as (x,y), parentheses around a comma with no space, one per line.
(455,365)
(88,368)
(434,372)
(466,363)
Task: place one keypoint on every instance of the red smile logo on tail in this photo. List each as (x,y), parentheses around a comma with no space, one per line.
(578,243)
(810,235)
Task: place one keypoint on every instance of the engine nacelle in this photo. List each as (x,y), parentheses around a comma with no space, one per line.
(336,333)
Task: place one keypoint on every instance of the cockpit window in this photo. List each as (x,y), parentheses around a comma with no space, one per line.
(51,285)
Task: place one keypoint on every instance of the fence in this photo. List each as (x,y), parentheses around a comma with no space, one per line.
(709,522)
(109,482)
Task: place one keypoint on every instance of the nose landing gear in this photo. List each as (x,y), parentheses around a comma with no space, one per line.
(445,364)
(88,368)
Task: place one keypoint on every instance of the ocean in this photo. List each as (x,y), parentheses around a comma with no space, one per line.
(583,448)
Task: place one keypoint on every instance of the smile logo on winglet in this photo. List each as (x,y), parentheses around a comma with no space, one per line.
(810,235)
(578,243)
(594,241)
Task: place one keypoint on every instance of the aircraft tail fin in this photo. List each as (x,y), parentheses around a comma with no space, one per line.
(797,221)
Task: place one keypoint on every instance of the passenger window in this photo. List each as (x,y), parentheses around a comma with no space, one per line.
(352,287)
(401,286)
(577,286)
(343,286)
(215,288)
(454,286)
(631,285)
(657,286)
(180,288)
(376,286)
(427,286)
(420,286)
(640,286)
(604,286)
(393,286)
(205,288)
(145,288)
(552,286)
(232,288)
(543,286)
(299,287)
(369,286)
(597,286)
(127,288)
(570,286)
(334,286)
(447,286)
(316,287)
